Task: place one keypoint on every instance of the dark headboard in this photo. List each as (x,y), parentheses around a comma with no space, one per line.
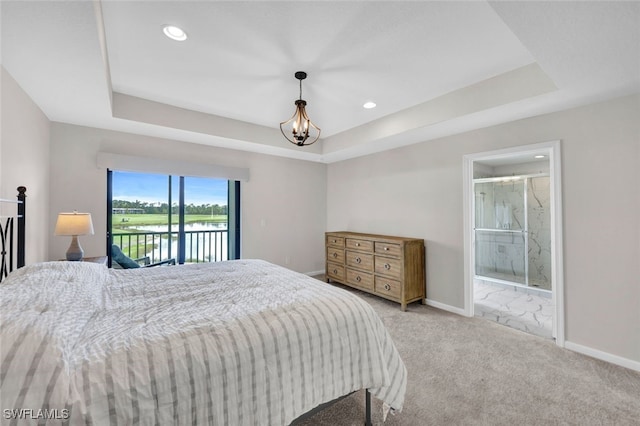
(7,229)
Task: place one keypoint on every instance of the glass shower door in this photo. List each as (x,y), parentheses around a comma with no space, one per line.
(500,231)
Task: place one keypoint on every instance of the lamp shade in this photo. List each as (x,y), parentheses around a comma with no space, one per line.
(74,224)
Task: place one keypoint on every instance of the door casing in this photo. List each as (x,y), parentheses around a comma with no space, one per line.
(552,149)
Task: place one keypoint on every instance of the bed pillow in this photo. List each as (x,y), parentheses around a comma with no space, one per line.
(123,260)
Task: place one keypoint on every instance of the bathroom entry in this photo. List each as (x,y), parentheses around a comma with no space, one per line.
(512,251)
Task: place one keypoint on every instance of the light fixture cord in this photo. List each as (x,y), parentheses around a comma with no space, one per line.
(300,89)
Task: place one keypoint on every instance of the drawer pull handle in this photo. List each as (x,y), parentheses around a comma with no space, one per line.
(358,260)
(335,254)
(335,271)
(387,287)
(358,278)
(387,266)
(357,244)
(335,241)
(386,249)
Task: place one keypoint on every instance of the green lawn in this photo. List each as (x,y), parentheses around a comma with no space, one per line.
(132,220)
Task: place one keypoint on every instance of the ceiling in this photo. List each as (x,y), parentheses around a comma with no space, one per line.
(433,68)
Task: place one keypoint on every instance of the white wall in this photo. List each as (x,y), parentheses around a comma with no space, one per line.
(416,191)
(24,161)
(283,205)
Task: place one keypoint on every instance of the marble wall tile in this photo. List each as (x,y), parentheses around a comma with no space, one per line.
(500,255)
(509,205)
(539,227)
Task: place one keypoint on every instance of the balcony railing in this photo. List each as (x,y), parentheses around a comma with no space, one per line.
(200,246)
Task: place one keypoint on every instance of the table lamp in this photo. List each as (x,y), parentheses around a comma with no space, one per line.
(74,224)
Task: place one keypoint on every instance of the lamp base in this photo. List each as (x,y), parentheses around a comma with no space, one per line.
(75,252)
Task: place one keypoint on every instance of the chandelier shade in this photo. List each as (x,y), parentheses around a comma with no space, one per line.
(299,129)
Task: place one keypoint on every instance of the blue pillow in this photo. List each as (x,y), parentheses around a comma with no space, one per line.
(118,256)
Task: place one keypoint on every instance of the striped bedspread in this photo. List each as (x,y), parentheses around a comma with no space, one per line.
(241,342)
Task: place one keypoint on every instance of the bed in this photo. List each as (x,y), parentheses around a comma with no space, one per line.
(241,342)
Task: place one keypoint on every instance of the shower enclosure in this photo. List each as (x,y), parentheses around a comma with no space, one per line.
(513,231)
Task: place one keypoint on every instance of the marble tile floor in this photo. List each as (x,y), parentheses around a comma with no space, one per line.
(517,309)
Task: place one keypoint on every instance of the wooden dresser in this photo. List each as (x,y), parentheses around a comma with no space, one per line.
(389,267)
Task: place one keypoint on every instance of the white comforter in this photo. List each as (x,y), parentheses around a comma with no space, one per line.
(241,342)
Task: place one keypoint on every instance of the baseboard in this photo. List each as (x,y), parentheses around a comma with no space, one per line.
(311,274)
(446,307)
(604,356)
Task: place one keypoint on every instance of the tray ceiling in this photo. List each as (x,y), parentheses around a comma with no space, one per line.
(433,68)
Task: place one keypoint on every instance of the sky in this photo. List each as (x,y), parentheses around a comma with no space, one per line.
(153,188)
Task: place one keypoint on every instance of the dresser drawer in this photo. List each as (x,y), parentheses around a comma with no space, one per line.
(359,260)
(388,266)
(334,241)
(388,249)
(362,245)
(388,287)
(360,279)
(335,271)
(335,255)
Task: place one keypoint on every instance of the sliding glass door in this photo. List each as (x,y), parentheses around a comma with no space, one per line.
(206,219)
(160,217)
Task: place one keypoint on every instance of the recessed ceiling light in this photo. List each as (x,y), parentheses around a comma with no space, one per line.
(538,156)
(369,105)
(174,33)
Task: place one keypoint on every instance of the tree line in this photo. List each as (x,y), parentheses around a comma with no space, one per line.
(163,208)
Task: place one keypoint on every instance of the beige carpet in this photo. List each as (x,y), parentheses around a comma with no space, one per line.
(469,371)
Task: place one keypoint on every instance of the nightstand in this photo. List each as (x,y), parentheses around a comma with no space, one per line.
(97,259)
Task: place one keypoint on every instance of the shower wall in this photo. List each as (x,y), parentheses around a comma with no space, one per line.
(513,236)
(539,231)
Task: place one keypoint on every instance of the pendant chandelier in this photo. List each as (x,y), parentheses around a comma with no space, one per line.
(299,130)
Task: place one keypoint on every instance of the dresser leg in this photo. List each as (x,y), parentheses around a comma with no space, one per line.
(424,301)
(403,306)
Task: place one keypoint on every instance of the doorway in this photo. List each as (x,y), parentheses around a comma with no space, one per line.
(513,238)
